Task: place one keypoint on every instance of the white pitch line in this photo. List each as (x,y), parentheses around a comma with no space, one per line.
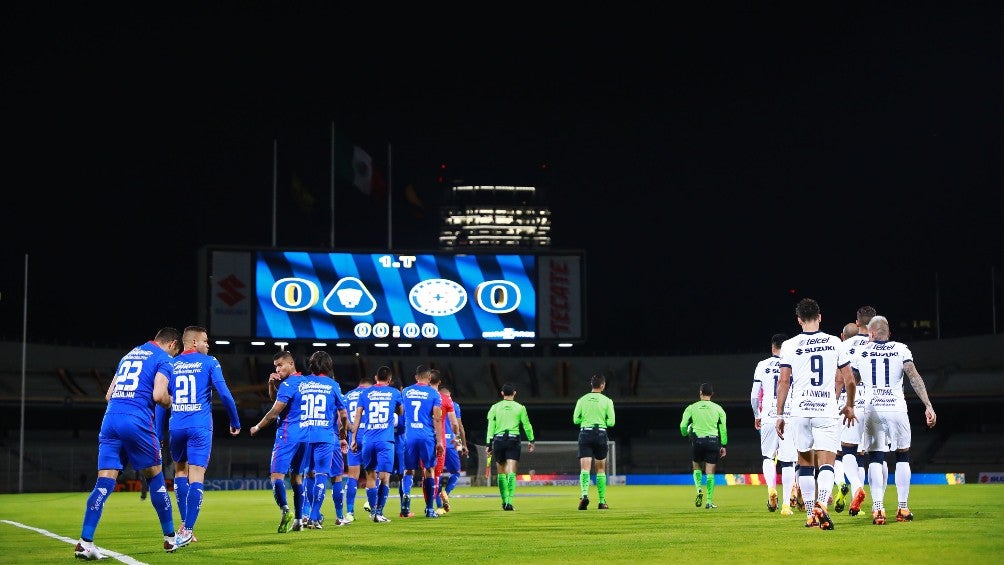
(47,533)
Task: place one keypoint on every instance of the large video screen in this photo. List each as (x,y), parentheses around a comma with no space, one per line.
(370,296)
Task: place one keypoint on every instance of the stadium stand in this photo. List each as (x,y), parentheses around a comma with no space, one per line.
(65,386)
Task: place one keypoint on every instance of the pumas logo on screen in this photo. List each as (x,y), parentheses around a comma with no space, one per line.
(438,297)
(350,297)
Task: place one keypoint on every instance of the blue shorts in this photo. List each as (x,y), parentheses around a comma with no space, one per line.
(400,449)
(192,445)
(355,458)
(452,460)
(287,456)
(378,456)
(127,438)
(317,457)
(337,461)
(420,452)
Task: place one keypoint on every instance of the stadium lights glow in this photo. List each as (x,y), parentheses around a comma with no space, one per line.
(281,344)
(466,345)
(564,345)
(257,343)
(404,345)
(443,345)
(503,345)
(319,344)
(381,344)
(222,342)
(343,345)
(527,345)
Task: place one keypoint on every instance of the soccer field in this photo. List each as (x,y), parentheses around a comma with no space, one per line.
(645,524)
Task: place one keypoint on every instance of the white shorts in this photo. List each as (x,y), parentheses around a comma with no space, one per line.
(852,434)
(887,431)
(771,444)
(821,433)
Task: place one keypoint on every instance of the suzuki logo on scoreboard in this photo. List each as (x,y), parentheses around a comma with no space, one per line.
(229,307)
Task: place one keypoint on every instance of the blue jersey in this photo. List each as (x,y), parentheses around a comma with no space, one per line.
(320,399)
(379,403)
(351,402)
(420,400)
(290,430)
(127,429)
(134,378)
(449,429)
(195,377)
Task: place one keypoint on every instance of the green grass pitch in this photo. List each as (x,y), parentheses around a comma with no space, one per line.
(645,524)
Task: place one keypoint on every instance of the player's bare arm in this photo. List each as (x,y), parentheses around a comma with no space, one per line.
(269,417)
(917,382)
(846,377)
(783,386)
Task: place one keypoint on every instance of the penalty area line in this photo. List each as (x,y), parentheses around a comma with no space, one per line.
(48,534)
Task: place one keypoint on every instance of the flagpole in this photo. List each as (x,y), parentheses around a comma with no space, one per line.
(24,369)
(332,238)
(275,183)
(390,183)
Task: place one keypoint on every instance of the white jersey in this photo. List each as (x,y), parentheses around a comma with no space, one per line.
(880,364)
(851,346)
(813,358)
(763,397)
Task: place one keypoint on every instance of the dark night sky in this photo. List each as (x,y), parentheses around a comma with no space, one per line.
(708,161)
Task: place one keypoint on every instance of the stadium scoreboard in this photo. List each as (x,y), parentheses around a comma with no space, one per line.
(417,297)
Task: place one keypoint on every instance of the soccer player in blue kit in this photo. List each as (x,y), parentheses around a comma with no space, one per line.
(127,434)
(423,416)
(287,451)
(376,443)
(320,423)
(353,459)
(196,375)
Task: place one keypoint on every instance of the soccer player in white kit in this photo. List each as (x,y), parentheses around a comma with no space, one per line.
(882,364)
(813,372)
(763,399)
(854,336)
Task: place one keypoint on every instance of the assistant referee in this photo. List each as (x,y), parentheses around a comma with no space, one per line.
(594,413)
(704,422)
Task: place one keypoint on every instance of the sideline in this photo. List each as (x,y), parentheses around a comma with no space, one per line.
(73,542)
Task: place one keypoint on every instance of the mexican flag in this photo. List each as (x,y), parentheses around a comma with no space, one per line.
(353,165)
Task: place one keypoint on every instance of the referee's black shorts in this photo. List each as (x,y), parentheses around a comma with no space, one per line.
(506,447)
(706,449)
(593,443)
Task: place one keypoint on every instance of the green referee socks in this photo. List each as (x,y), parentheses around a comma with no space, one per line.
(711,488)
(512,486)
(601,486)
(584,483)
(698,478)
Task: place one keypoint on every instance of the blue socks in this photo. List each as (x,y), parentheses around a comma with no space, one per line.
(103,488)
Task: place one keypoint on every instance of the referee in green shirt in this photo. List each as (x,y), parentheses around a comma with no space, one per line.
(504,420)
(704,422)
(594,413)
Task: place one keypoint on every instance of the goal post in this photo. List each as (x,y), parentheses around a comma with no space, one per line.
(549,459)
